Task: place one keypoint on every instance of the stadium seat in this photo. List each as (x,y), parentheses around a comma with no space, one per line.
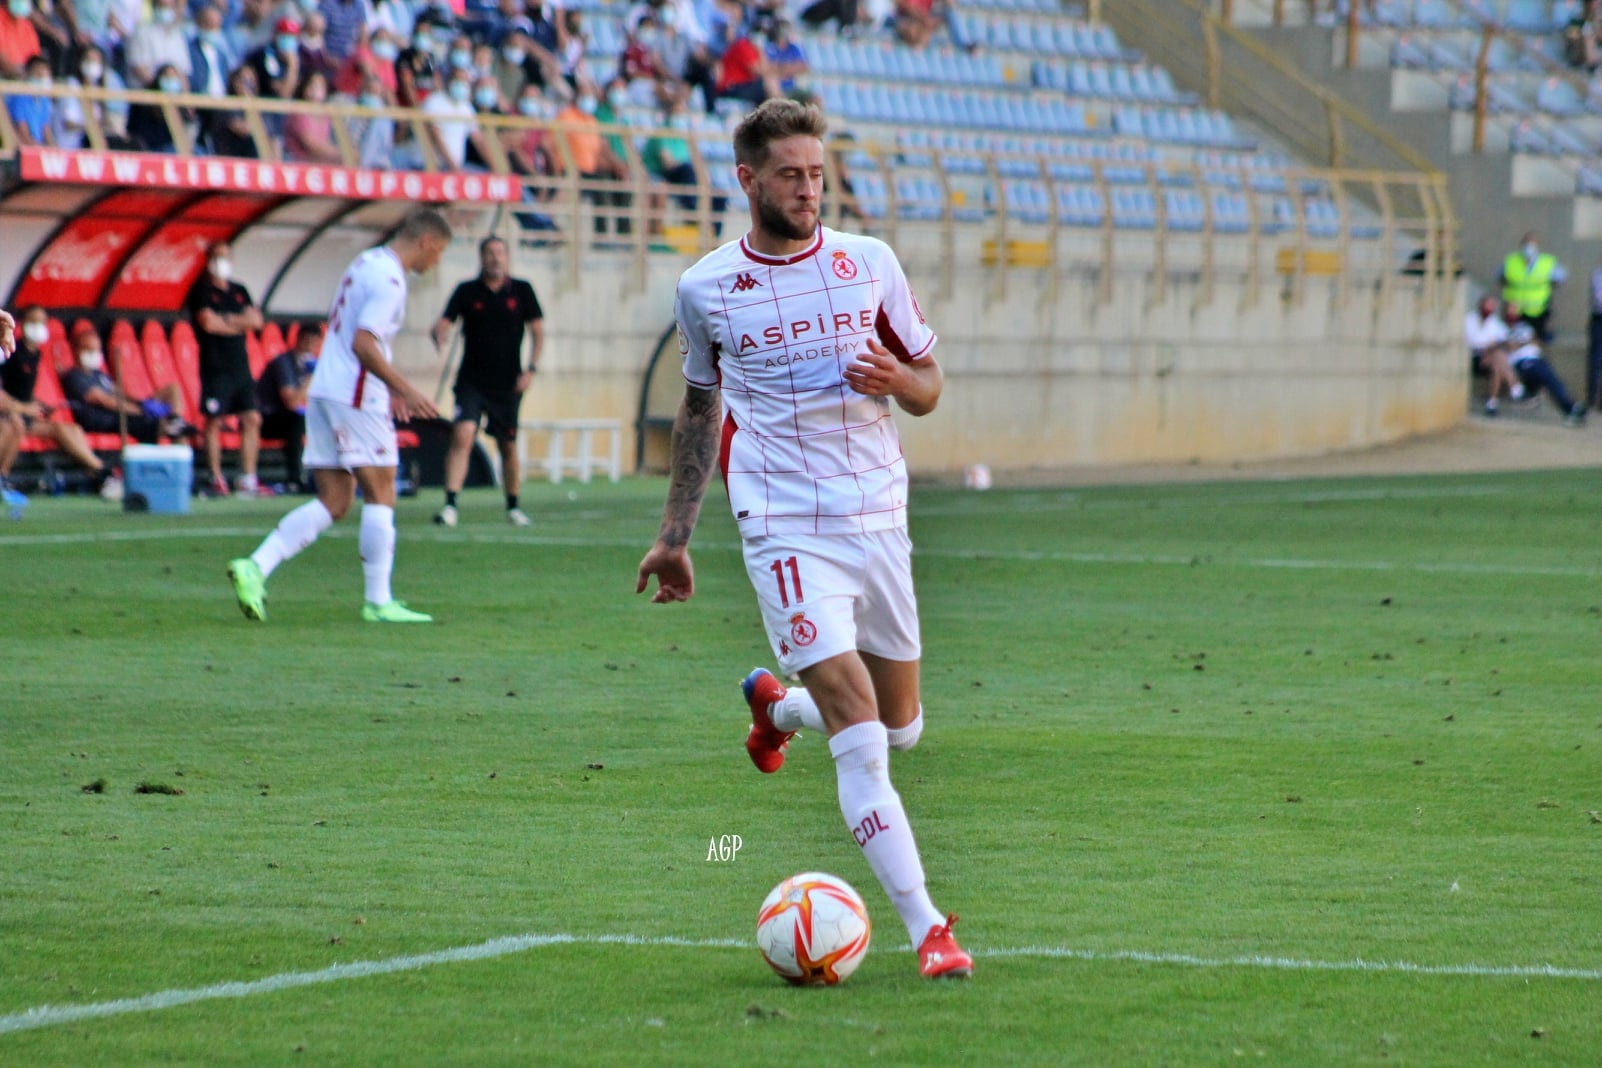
(272,342)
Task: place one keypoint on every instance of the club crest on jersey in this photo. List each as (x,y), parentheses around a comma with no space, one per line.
(802,630)
(744,282)
(843,267)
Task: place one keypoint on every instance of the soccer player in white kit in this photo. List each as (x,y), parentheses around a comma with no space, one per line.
(805,335)
(354,400)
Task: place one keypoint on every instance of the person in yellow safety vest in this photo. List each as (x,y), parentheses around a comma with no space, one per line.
(1528,278)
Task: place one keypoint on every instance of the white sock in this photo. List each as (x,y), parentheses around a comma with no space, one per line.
(247,483)
(873,811)
(904,738)
(293,533)
(795,711)
(378,550)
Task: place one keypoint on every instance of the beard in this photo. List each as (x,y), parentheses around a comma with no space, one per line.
(775,222)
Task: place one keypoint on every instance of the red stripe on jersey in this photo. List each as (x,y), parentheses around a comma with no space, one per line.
(889,338)
(727,443)
(361,384)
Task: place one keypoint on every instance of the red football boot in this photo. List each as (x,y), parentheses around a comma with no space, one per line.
(940,957)
(766,743)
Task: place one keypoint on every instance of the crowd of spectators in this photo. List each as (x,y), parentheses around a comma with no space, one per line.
(454,61)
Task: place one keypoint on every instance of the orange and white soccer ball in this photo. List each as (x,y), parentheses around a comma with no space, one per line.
(813,929)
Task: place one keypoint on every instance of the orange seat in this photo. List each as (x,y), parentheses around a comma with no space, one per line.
(272,343)
(163,369)
(291,333)
(127,365)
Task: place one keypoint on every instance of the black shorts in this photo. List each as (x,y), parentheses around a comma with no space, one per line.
(227,394)
(496,407)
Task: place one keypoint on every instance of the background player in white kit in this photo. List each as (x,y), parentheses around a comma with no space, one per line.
(354,400)
(806,334)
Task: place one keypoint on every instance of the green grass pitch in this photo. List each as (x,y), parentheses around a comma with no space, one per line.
(1291,773)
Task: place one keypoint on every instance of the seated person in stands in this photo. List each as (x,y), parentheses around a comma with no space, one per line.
(281,398)
(112,116)
(916,21)
(34,116)
(852,17)
(28,418)
(668,157)
(99,406)
(1486,336)
(743,73)
(784,56)
(227,133)
(147,123)
(1582,37)
(1524,353)
(595,160)
(310,138)
(374,137)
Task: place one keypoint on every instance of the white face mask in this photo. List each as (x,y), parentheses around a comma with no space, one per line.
(222,269)
(93,71)
(91,361)
(36,333)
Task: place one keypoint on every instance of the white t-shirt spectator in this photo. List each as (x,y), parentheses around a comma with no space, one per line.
(1481,334)
(453,133)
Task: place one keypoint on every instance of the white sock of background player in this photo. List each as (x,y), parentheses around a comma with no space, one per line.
(798,711)
(293,533)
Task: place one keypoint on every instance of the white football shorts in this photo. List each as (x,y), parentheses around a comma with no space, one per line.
(823,595)
(338,435)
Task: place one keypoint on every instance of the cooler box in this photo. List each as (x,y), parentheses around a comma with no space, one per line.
(161,474)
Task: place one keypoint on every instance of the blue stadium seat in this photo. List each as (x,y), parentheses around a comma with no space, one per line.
(1558,96)
(1439,14)
(1565,140)
(1410,54)
(1528,16)
(1185,210)
(1134,209)
(1080,206)
(1232,214)
(1448,55)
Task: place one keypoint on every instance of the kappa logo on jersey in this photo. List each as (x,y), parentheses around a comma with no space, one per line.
(802,630)
(843,267)
(745,282)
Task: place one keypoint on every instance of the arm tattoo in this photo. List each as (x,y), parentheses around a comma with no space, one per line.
(694,454)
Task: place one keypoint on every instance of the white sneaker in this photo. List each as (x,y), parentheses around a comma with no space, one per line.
(111,489)
(446,516)
(517,518)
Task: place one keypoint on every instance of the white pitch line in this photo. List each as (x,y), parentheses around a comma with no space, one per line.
(53,1015)
(1438,567)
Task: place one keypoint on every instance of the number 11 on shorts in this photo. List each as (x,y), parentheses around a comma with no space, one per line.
(778,568)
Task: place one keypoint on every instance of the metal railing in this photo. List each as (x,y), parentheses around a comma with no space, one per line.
(1279,240)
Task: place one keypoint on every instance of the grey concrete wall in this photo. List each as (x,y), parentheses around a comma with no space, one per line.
(1049,377)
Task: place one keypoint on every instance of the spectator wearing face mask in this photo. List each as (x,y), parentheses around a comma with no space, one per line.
(374,135)
(34,116)
(314,53)
(376,59)
(100,407)
(19,41)
(72,112)
(147,123)
(595,160)
(277,65)
(158,42)
(223,313)
(211,57)
(452,125)
(416,73)
(19,377)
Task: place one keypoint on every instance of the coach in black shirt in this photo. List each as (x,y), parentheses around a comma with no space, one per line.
(223,314)
(494,310)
